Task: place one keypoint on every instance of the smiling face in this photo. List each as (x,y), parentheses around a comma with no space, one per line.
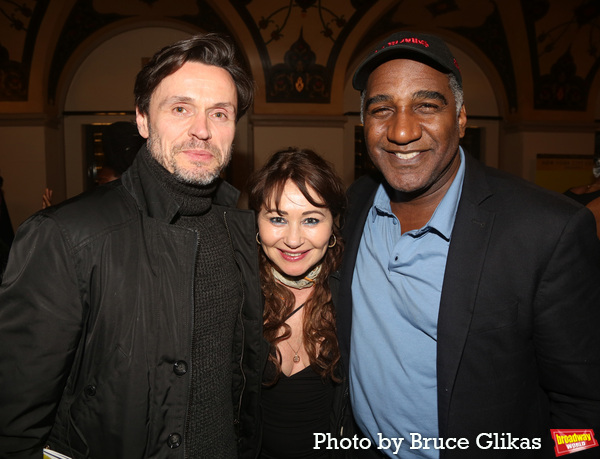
(296,235)
(412,128)
(190,123)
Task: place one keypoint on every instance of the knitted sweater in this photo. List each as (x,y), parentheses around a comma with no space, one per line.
(217,299)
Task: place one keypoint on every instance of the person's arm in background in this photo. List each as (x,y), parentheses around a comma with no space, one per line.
(47,198)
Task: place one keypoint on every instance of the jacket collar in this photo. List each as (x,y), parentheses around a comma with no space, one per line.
(476,187)
(466,256)
(151,197)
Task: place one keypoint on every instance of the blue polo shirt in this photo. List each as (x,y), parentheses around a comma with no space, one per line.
(396,293)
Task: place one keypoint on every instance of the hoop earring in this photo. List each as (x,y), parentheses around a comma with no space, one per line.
(257,239)
(332,244)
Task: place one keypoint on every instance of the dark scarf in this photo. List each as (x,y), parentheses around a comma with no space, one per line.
(217,299)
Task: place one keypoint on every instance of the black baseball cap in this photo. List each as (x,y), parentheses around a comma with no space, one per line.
(429,49)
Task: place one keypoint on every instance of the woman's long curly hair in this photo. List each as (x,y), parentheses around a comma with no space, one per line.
(310,173)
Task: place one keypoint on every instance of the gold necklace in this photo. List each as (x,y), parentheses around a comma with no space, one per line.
(296,356)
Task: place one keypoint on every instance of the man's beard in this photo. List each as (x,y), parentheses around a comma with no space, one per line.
(193,176)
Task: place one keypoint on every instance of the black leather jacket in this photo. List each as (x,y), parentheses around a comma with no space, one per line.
(95,326)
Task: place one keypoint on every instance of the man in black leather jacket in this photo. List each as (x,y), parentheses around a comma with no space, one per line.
(130,317)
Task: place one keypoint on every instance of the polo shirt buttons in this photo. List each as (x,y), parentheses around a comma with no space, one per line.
(174,440)
(180,368)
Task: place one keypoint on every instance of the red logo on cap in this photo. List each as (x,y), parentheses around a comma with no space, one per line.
(416,41)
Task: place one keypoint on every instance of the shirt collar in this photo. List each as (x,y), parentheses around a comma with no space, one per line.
(442,220)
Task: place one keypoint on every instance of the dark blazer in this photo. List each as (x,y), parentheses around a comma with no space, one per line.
(519,318)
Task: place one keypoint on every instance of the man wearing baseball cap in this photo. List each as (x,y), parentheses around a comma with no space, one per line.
(469,305)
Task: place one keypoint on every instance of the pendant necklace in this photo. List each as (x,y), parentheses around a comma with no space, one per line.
(296,356)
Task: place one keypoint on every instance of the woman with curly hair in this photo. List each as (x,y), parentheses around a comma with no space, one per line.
(299,202)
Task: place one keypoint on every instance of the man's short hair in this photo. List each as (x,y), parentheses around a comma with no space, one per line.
(209,49)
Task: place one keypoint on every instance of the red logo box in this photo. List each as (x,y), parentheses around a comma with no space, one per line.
(567,441)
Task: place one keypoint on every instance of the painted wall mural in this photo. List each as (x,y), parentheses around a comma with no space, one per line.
(564,40)
(19,25)
(299,41)
(311,33)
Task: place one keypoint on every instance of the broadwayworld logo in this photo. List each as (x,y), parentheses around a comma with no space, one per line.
(571,441)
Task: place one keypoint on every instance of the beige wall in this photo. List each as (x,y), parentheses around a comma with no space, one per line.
(23,168)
